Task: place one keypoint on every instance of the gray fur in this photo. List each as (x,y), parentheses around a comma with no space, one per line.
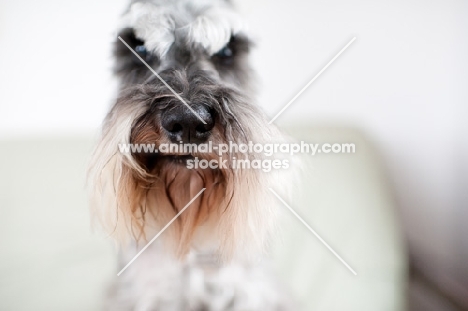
(183,41)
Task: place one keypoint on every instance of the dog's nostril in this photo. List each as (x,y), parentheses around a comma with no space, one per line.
(203,128)
(175,128)
(181,124)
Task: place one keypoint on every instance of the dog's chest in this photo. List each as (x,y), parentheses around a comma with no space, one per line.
(201,283)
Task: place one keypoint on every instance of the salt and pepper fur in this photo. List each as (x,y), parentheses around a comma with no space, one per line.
(210,258)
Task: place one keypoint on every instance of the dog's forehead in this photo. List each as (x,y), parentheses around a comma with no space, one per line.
(206,24)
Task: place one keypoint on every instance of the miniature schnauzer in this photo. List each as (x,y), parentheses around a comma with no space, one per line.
(199,90)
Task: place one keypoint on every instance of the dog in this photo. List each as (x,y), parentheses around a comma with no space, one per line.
(200,90)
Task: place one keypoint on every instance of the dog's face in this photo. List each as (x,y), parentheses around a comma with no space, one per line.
(209,83)
(201,54)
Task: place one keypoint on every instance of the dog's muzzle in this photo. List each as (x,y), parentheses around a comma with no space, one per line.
(182,124)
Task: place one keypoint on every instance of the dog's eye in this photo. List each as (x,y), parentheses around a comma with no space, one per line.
(141,51)
(225,56)
(225,52)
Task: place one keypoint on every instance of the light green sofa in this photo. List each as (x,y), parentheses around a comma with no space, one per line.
(50,260)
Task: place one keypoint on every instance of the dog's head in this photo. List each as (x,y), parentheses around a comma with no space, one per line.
(200,92)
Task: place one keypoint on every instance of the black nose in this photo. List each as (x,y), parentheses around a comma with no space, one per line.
(182,124)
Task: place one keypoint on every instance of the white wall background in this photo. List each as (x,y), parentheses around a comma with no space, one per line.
(404,81)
